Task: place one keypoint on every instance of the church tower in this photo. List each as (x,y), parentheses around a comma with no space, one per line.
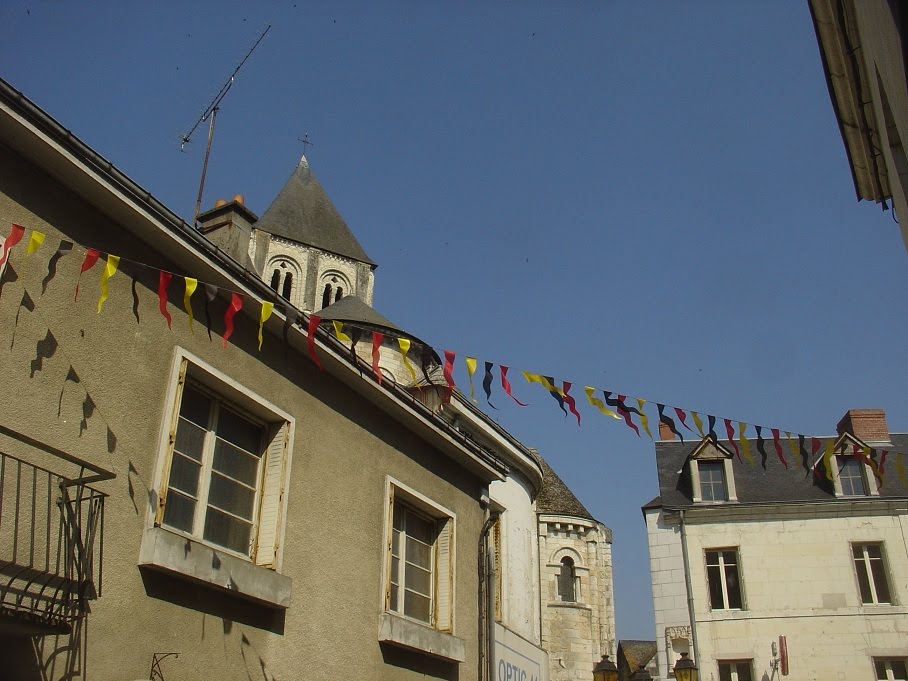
(301,246)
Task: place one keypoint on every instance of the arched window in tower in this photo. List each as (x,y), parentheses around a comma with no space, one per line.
(288,285)
(326,296)
(339,294)
(566,581)
(276,279)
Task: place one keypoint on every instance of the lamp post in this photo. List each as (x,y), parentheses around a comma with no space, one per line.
(641,675)
(605,670)
(686,670)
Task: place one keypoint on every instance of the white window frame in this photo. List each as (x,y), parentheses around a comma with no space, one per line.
(734,664)
(887,662)
(270,512)
(865,563)
(871,488)
(723,578)
(442,617)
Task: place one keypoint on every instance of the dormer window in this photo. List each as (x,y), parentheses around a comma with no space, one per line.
(851,477)
(711,476)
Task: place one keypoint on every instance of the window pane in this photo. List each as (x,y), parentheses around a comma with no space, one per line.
(395,567)
(195,406)
(419,580)
(733,585)
(179,511)
(231,496)
(417,606)
(235,462)
(227,531)
(244,434)
(874,551)
(395,606)
(863,578)
(419,553)
(744,671)
(184,475)
(724,671)
(880,581)
(190,439)
(714,576)
(898,670)
(880,670)
(421,529)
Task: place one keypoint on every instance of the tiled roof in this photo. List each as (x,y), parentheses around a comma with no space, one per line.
(303,213)
(555,497)
(636,653)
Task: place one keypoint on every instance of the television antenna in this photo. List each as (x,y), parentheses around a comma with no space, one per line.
(210,114)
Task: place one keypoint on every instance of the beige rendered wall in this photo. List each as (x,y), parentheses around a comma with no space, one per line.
(343,450)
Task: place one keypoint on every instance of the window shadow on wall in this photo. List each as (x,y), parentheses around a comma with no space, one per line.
(421,664)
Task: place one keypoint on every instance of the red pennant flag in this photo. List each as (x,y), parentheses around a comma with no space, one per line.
(15,236)
(506,384)
(377,339)
(314,321)
(883,456)
(569,401)
(681,417)
(624,410)
(91,257)
(778,444)
(730,429)
(449,368)
(163,283)
(236,304)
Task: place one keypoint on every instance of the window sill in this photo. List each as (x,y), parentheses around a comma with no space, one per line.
(400,631)
(190,559)
(577,605)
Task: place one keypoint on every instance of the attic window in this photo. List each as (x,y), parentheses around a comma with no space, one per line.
(711,475)
(712,481)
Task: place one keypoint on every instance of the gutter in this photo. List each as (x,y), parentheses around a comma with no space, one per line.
(690,591)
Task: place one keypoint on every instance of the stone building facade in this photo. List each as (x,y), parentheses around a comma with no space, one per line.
(740,556)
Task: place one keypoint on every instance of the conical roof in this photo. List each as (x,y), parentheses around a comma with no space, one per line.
(555,497)
(303,212)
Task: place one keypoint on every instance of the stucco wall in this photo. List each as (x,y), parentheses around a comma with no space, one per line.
(343,449)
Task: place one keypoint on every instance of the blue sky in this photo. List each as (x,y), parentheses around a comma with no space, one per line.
(645,197)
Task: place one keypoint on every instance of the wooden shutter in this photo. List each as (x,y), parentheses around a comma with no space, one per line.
(171,438)
(267,537)
(444,576)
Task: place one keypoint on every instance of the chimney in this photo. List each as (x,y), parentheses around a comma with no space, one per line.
(867,425)
(665,433)
(229,226)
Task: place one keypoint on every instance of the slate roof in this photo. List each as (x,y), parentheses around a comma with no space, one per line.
(555,497)
(753,483)
(303,213)
(636,653)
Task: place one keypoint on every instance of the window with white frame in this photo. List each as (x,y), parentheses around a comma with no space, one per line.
(225,466)
(711,475)
(870,566)
(723,576)
(735,670)
(851,477)
(890,669)
(419,582)
(712,480)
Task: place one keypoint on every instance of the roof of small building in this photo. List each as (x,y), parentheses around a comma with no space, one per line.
(775,483)
(555,497)
(303,213)
(636,653)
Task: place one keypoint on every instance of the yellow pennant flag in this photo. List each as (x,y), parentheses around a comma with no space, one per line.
(827,458)
(596,402)
(267,309)
(404,344)
(698,422)
(745,443)
(471,369)
(792,446)
(191,285)
(900,468)
(34,243)
(339,332)
(543,381)
(644,421)
(109,270)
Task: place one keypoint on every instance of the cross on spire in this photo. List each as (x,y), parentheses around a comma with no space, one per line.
(306,142)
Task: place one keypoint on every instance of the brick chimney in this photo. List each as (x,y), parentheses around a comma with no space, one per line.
(229,225)
(867,425)
(665,433)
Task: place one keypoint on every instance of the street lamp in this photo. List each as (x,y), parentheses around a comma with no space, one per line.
(686,670)
(641,675)
(605,670)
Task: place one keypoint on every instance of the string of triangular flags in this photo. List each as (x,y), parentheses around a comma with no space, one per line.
(629,410)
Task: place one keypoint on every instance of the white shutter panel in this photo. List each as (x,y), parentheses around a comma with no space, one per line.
(444,578)
(267,538)
(171,438)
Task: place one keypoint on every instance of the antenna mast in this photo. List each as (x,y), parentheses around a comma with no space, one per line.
(210,114)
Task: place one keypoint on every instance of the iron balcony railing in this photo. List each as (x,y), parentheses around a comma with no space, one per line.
(51,546)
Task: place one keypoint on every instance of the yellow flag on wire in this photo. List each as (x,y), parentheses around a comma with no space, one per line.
(404,344)
(191,285)
(827,458)
(698,422)
(339,332)
(109,270)
(471,369)
(644,421)
(267,309)
(599,404)
(745,443)
(34,242)
(792,446)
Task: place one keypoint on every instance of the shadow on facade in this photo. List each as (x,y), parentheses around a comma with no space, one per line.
(421,664)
